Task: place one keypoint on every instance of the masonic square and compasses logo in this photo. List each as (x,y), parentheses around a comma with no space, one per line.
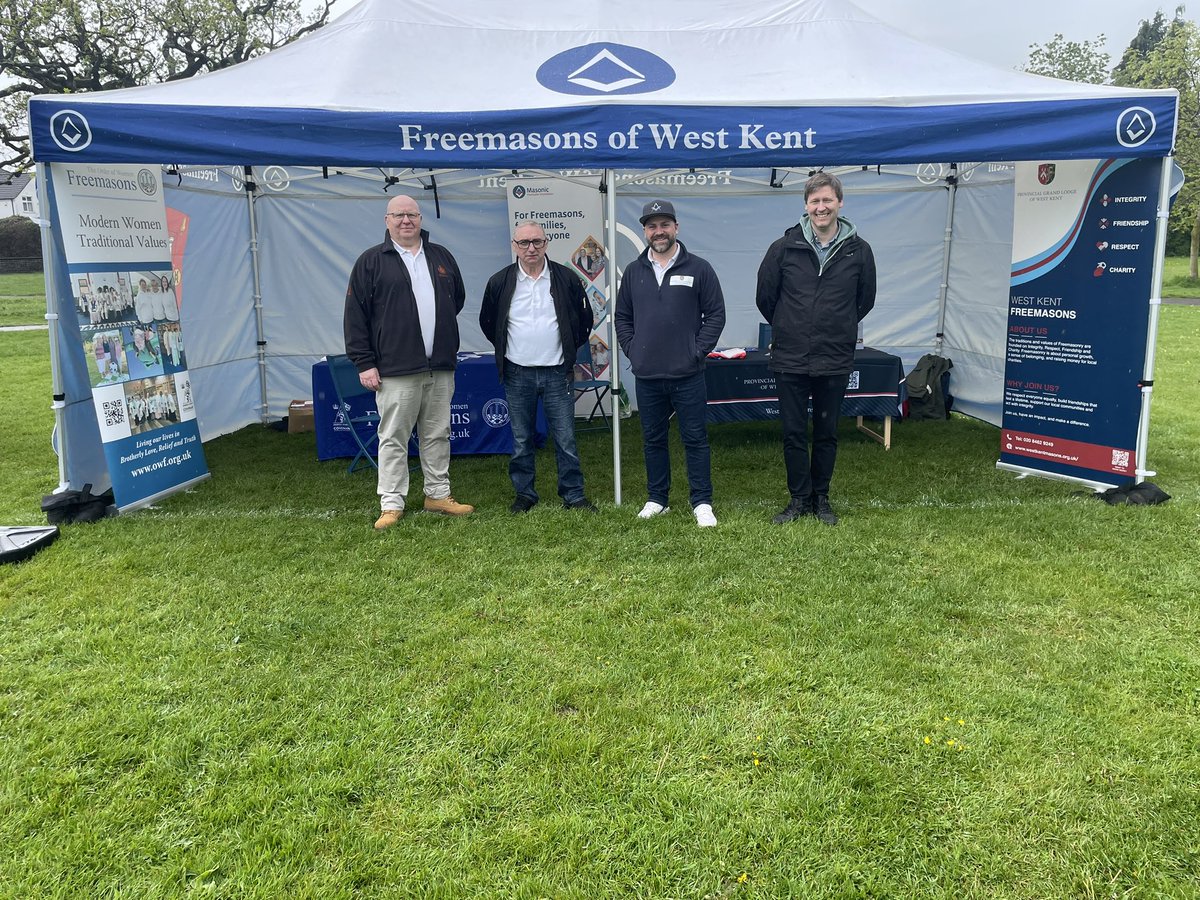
(70,130)
(605,68)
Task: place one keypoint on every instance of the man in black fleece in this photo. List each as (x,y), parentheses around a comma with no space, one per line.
(815,285)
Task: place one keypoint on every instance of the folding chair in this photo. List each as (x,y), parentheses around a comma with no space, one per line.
(585,367)
(364,426)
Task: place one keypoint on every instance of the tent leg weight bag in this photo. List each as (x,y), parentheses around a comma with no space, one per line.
(76,506)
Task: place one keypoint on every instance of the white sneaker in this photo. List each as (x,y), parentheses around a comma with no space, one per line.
(652,509)
(704,515)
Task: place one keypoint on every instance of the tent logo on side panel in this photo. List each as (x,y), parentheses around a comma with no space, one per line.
(1135,126)
(70,130)
(605,68)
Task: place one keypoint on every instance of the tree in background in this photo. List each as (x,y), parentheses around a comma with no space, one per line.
(1150,34)
(20,245)
(1173,61)
(72,46)
(1084,61)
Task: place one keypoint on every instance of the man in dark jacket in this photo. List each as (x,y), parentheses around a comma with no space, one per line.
(537,316)
(401,331)
(669,314)
(815,285)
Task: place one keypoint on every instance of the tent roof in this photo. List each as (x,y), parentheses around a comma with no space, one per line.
(785,82)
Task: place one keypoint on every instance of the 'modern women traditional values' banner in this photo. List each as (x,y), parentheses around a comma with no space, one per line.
(570,214)
(113,226)
(1083,254)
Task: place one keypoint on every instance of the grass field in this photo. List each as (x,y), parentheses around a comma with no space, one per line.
(975,686)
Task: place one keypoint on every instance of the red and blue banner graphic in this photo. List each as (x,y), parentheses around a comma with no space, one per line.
(1083,255)
(125,302)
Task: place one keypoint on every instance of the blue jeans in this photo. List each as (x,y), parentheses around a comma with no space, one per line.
(555,385)
(808,477)
(688,399)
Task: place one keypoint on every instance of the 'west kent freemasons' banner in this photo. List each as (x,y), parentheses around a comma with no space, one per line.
(1078,313)
(117,250)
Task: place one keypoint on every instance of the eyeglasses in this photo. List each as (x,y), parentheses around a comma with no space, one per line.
(535,243)
(412,217)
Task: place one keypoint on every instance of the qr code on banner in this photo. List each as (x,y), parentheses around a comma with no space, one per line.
(1120,459)
(853,385)
(114,412)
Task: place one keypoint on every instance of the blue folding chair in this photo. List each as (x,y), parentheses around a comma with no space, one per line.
(365,426)
(585,380)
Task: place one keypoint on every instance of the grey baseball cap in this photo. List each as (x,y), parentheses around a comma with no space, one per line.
(657,208)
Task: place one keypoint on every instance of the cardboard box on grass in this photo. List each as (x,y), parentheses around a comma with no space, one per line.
(300,416)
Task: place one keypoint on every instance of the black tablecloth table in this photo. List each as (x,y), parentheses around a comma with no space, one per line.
(743,390)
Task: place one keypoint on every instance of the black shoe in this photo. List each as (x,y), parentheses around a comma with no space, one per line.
(823,511)
(582,503)
(522,504)
(794,510)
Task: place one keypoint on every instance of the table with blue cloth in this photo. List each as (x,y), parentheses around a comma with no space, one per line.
(479,420)
(743,390)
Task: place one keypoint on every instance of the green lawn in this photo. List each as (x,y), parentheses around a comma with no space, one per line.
(975,686)
(1176,283)
(22,299)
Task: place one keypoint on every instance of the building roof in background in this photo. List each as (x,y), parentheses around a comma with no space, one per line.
(11,185)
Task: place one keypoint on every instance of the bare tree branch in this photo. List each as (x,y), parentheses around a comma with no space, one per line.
(77,46)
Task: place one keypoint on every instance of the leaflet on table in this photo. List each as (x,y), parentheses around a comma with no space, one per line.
(1078,313)
(124,281)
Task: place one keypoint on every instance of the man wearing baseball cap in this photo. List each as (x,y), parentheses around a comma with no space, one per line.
(669,314)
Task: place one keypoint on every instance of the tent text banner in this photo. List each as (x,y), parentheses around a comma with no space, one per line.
(1083,250)
(598,136)
(117,249)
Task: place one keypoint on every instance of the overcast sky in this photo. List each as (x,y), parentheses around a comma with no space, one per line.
(1000,33)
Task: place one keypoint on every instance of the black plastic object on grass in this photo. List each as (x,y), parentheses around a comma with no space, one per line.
(18,542)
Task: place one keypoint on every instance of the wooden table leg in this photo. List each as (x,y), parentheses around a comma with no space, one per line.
(885,438)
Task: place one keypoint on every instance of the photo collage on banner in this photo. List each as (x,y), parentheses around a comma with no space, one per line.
(126,296)
(1078,317)
(570,213)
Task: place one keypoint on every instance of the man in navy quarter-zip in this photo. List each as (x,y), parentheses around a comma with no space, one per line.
(669,314)
(815,285)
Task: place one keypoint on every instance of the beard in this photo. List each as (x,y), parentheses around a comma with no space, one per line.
(662,244)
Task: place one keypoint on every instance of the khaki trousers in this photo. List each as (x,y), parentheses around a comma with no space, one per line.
(422,400)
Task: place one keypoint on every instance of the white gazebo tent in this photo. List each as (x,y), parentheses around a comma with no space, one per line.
(418,93)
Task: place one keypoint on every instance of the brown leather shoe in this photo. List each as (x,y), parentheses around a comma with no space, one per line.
(388,518)
(448,506)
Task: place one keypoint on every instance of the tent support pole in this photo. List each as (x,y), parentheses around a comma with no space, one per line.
(251,187)
(944,287)
(58,398)
(1155,303)
(614,369)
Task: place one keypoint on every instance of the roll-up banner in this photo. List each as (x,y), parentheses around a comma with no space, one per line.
(571,215)
(125,294)
(1083,254)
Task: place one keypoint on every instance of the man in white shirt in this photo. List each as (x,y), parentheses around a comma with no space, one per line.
(401,332)
(536,314)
